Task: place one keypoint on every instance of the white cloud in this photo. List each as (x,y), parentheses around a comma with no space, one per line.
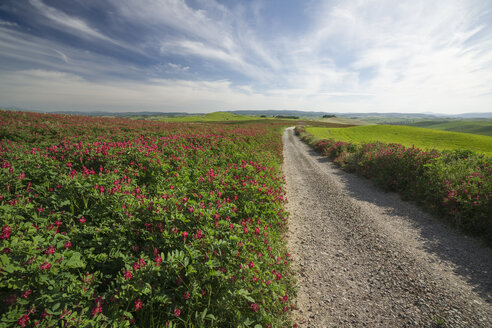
(73,24)
(355,55)
(415,56)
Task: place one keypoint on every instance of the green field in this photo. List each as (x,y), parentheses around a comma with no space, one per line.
(344,120)
(407,136)
(483,127)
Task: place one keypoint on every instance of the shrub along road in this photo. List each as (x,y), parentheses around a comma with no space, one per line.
(365,258)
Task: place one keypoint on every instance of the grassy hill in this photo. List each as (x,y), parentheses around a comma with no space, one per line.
(407,136)
(483,127)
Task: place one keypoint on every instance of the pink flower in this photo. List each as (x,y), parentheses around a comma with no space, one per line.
(158,260)
(50,250)
(138,305)
(185,235)
(45,266)
(186,295)
(141,262)
(254,307)
(26,293)
(5,232)
(23,320)
(135,266)
(68,244)
(127,275)
(96,310)
(177,312)
(251,264)
(82,219)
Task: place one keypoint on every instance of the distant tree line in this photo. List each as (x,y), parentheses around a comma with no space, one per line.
(329,115)
(288,116)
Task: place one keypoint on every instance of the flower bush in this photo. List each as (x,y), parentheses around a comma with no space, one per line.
(454,184)
(114,222)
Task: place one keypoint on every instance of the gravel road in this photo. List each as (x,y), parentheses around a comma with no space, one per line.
(365,258)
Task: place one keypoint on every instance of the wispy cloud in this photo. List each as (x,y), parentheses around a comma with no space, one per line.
(345,55)
(68,22)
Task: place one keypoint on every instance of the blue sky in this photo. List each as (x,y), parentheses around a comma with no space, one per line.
(210,55)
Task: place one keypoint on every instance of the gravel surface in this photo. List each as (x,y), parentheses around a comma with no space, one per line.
(365,258)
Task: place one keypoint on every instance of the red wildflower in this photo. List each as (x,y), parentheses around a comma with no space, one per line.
(50,250)
(251,264)
(45,266)
(127,275)
(185,235)
(138,305)
(186,295)
(82,219)
(23,320)
(158,260)
(177,312)
(68,244)
(254,307)
(5,232)
(96,310)
(26,293)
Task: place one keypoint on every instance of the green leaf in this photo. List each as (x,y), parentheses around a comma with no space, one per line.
(75,261)
(4,259)
(248,322)
(244,293)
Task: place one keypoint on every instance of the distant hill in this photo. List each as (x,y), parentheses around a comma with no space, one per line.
(368,117)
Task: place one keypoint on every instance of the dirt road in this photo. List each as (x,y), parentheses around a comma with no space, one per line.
(367,259)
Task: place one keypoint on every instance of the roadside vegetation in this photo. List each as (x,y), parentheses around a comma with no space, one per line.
(114,222)
(455,184)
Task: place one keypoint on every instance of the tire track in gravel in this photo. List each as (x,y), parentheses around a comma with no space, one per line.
(367,259)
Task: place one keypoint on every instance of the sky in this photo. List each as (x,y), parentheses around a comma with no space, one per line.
(407,56)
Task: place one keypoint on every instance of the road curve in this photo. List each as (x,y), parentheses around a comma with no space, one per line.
(365,258)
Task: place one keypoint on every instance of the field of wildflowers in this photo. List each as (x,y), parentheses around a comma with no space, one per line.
(457,184)
(114,223)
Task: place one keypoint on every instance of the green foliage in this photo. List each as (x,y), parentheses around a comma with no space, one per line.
(116,223)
